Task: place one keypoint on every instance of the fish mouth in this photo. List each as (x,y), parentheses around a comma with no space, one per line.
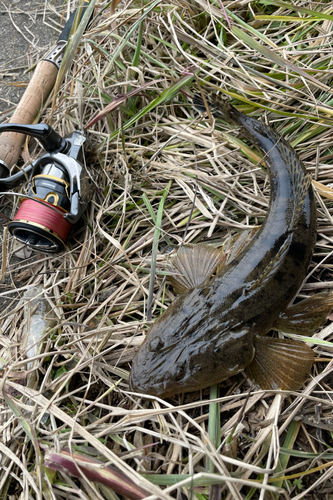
(146,376)
(137,385)
(134,384)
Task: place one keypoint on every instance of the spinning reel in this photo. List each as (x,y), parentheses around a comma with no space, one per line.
(58,190)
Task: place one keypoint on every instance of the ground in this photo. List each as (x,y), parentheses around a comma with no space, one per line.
(28,30)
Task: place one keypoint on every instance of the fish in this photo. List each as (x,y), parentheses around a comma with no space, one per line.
(230,299)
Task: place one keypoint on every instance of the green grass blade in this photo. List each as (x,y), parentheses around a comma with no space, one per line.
(317,15)
(129,34)
(251,29)
(289,441)
(137,53)
(276,58)
(26,426)
(164,97)
(297,114)
(214,423)
(154,251)
(149,207)
(310,340)
(73,45)
(304,455)
(144,55)
(287,19)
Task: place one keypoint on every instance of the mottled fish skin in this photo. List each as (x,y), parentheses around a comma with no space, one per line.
(206,335)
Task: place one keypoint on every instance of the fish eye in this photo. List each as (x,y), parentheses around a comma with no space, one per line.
(156,344)
(179,372)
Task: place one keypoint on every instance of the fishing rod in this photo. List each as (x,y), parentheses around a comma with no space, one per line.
(59,187)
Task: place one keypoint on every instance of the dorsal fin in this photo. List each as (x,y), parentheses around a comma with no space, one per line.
(271,268)
(301,180)
(235,244)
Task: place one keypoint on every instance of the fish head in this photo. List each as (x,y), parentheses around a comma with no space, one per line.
(185,351)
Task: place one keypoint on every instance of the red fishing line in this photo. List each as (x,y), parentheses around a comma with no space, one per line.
(50,218)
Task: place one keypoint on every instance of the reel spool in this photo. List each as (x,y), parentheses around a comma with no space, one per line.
(59,189)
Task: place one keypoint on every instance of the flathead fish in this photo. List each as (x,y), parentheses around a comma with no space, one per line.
(228,302)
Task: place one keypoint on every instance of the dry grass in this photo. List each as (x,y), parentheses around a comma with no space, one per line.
(158,164)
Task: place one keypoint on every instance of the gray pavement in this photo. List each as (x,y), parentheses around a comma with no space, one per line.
(28,29)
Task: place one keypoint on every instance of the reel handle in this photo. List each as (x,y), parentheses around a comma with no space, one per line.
(51,141)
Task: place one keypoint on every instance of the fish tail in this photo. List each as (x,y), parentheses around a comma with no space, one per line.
(219,108)
(269,142)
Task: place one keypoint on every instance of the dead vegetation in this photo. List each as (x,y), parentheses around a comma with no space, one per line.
(164,175)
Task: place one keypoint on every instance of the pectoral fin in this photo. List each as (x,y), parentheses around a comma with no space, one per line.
(280,363)
(193,265)
(306,317)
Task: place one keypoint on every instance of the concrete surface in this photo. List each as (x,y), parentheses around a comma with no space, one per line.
(28,29)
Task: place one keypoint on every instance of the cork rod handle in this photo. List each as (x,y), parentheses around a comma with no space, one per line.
(38,89)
